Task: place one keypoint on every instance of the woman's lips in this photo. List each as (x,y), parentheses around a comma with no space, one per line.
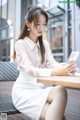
(40,32)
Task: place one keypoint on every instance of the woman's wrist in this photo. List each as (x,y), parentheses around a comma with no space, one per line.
(56,72)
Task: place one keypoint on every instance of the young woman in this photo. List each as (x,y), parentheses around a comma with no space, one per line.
(34,59)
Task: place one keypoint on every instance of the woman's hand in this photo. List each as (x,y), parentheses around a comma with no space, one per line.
(64,69)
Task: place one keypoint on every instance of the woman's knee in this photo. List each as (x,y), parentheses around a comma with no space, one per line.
(62,92)
(57,91)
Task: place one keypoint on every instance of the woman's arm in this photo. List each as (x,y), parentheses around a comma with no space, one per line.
(58,68)
(64,69)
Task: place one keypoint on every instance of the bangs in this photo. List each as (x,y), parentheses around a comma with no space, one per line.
(37,14)
(36,17)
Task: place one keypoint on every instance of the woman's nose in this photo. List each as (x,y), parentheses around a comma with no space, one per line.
(42,28)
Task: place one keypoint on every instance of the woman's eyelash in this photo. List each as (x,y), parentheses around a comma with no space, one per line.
(45,24)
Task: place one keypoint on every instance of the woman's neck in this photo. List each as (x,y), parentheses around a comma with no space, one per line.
(33,38)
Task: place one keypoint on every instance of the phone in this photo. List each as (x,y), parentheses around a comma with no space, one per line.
(73,56)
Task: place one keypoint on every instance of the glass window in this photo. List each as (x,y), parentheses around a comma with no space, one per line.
(5,50)
(0,34)
(53,3)
(4,12)
(11,10)
(56,37)
(43,3)
(56,40)
(8,48)
(56,43)
(0,8)
(4,9)
(70,40)
(4,33)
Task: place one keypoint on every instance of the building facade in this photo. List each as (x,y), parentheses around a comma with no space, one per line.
(63,31)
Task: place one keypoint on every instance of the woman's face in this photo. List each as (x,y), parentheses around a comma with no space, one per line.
(40,28)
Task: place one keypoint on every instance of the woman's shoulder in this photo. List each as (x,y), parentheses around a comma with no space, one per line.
(20,41)
(20,44)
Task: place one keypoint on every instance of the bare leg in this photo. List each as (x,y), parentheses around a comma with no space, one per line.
(58,99)
(44,111)
(55,105)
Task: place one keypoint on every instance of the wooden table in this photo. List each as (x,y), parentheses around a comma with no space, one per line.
(67,81)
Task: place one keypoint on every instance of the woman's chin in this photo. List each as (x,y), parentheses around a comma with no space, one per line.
(39,35)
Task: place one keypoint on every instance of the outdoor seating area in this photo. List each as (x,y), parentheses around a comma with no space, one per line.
(36,35)
(6,82)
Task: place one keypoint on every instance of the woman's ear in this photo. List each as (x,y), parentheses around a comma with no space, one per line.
(27,23)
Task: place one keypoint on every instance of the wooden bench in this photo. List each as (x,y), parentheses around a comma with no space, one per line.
(8,72)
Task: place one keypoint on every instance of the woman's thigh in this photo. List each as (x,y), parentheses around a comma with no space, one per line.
(44,111)
(53,93)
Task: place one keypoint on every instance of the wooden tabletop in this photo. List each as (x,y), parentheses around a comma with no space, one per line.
(67,81)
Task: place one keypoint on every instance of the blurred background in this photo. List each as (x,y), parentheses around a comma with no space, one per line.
(63,31)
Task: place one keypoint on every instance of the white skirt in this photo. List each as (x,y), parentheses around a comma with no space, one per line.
(28,96)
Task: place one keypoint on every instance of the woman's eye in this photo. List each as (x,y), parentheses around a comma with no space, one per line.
(38,24)
(44,24)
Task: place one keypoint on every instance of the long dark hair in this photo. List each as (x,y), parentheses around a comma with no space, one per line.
(33,14)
